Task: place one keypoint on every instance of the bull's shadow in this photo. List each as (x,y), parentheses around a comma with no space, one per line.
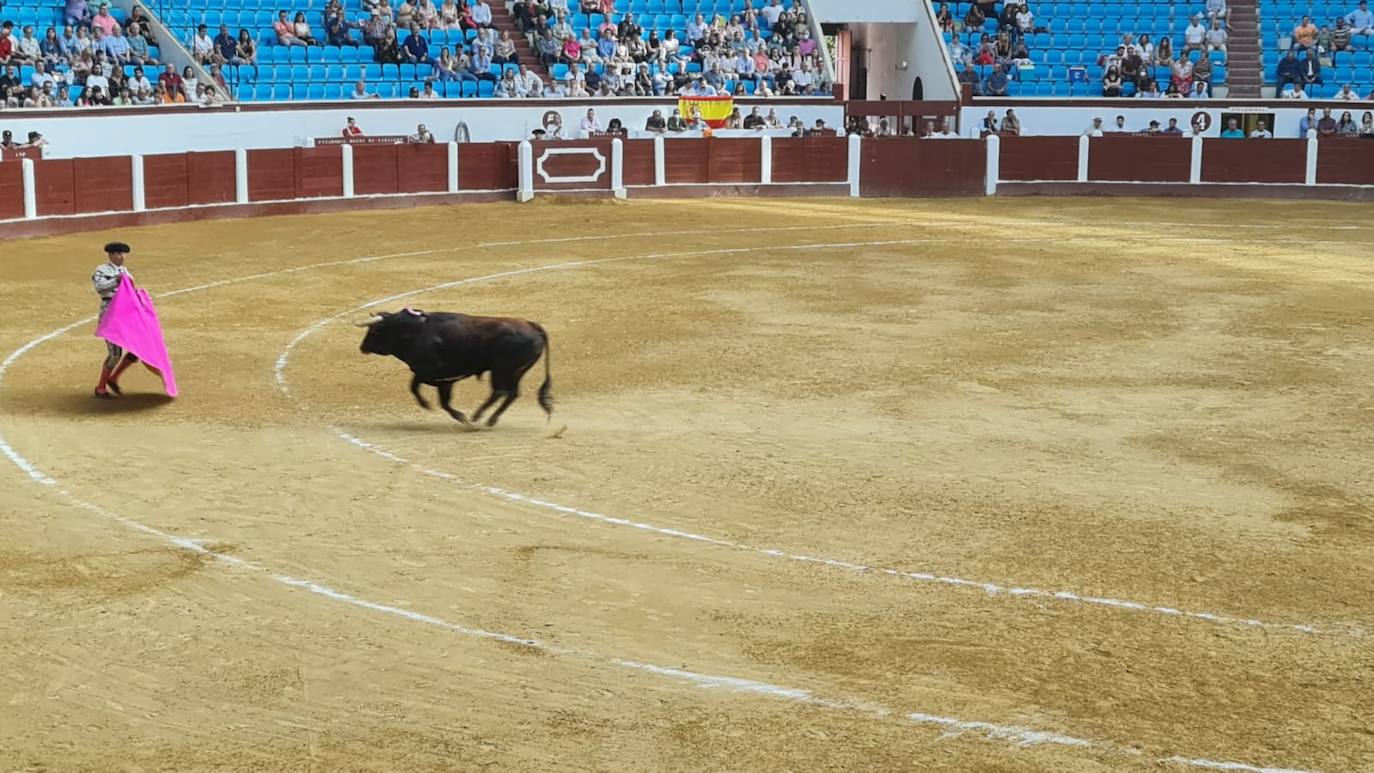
(445,427)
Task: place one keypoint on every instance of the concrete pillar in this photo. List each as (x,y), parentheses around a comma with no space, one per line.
(1311,177)
(452,167)
(1083,158)
(241,176)
(766,160)
(347,170)
(30,189)
(660,167)
(854,160)
(994,165)
(136,174)
(1195,163)
(526,156)
(618,168)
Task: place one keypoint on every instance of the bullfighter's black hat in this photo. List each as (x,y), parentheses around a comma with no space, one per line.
(116,247)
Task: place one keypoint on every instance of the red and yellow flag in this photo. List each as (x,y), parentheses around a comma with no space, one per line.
(714,110)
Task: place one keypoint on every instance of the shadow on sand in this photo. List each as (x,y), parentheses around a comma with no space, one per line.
(84,404)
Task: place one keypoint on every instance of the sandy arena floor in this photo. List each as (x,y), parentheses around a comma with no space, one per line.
(1002,485)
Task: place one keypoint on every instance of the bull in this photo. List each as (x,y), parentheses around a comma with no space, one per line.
(443,348)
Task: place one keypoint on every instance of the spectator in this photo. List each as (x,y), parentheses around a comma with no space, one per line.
(41,77)
(1202,71)
(1326,127)
(351,129)
(169,78)
(285,31)
(136,16)
(95,96)
(481,14)
(189,82)
(139,82)
(1305,34)
(169,96)
(1095,129)
(1308,123)
(388,49)
(116,47)
(416,48)
(103,21)
(1367,124)
(360,92)
(203,46)
(1132,66)
(76,14)
(508,88)
(422,136)
(1347,127)
(1111,83)
(1261,131)
(480,66)
(1195,36)
(944,18)
(28,46)
(1181,75)
(1347,94)
(1216,37)
(1199,90)
(246,52)
(974,19)
(1165,53)
(376,27)
(217,76)
(1120,127)
(996,85)
(7,50)
(337,26)
(590,123)
(51,48)
(1216,9)
(1149,91)
(225,48)
(505,50)
(1173,127)
(1290,71)
(1311,70)
(301,29)
(1232,130)
(1361,20)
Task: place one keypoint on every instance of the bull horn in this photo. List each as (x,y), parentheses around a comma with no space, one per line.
(375,319)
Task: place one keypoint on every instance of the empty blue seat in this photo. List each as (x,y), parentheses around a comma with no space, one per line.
(486,89)
(316,91)
(333,91)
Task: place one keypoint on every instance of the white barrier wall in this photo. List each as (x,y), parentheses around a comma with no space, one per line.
(1282,120)
(112,132)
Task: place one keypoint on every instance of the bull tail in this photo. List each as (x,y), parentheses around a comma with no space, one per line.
(546,388)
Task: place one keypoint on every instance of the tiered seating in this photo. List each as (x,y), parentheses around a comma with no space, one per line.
(1078,32)
(45,14)
(1354,65)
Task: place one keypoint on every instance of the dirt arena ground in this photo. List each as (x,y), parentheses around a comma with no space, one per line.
(1026,485)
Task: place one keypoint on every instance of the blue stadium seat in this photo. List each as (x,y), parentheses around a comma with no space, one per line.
(315,91)
(333,91)
(469,89)
(486,89)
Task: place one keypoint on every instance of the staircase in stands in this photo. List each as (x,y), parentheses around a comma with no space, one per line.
(1243,50)
(504,21)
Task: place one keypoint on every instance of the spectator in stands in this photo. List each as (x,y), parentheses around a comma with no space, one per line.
(534,85)
(1111,82)
(1173,127)
(137,16)
(376,27)
(360,92)
(247,50)
(446,67)
(1200,90)
(1347,94)
(505,50)
(1367,124)
(301,28)
(1150,90)
(1216,37)
(223,47)
(1132,66)
(51,49)
(169,79)
(7,50)
(1095,129)
(69,41)
(480,65)
(125,98)
(139,52)
(1305,34)
(217,75)
(1311,70)
(1308,123)
(189,82)
(1361,20)
(286,33)
(1195,36)
(352,129)
(1165,53)
(116,47)
(1216,9)
(416,48)
(1233,130)
(388,49)
(139,82)
(77,13)
(103,21)
(28,46)
(40,76)
(1261,131)
(426,14)
(1339,38)
(481,14)
(590,123)
(337,26)
(1326,127)
(1347,126)
(169,96)
(508,87)
(996,85)
(1202,71)
(95,96)
(1181,76)
(1289,71)
(203,46)
(549,51)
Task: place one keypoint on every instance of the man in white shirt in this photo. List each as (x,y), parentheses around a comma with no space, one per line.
(1296,93)
(591,123)
(1361,21)
(481,14)
(97,78)
(42,77)
(360,92)
(1216,9)
(1194,35)
(428,91)
(202,45)
(772,12)
(1216,37)
(1025,20)
(139,82)
(1261,132)
(1346,94)
(534,85)
(1095,130)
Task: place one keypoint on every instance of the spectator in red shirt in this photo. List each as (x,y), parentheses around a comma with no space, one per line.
(170,80)
(352,130)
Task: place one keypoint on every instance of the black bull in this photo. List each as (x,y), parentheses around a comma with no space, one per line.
(443,348)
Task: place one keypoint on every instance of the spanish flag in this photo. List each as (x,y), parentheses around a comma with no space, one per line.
(714,110)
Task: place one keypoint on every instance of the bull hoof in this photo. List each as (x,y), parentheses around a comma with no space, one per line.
(491,422)
(425,404)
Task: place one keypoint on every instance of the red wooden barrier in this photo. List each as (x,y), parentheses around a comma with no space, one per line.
(810,159)
(211,177)
(166,180)
(376,169)
(272,174)
(639,162)
(906,166)
(421,168)
(11,189)
(1345,160)
(1253,161)
(1038,158)
(1140,159)
(572,165)
(55,186)
(686,161)
(734,160)
(103,184)
(487,166)
(319,172)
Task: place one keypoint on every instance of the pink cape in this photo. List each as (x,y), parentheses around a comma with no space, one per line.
(131,322)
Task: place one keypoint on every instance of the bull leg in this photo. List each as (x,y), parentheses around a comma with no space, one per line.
(493,397)
(445,396)
(508,386)
(415,390)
